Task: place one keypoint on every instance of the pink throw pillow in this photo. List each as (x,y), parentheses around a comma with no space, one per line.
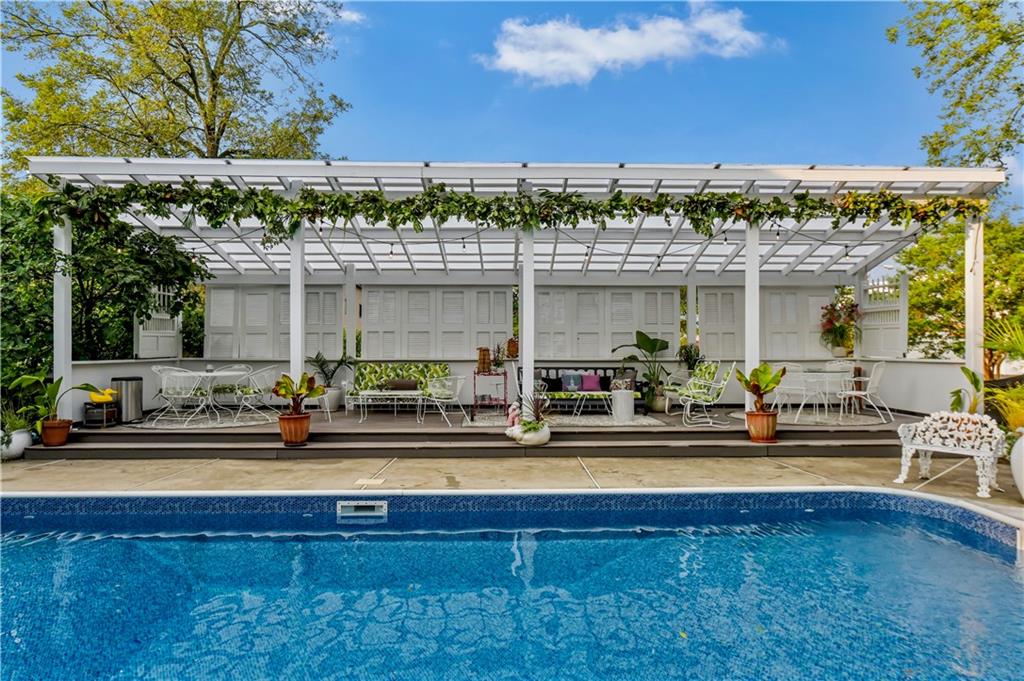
(591,383)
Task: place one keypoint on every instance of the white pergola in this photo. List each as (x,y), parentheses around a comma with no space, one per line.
(647,250)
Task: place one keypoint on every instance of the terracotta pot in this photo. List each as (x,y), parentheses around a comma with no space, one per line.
(55,433)
(294,429)
(512,348)
(761,425)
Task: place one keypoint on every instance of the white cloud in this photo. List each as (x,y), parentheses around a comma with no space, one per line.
(561,52)
(350,16)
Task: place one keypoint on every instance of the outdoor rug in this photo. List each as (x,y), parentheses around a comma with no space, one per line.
(567,421)
(808,418)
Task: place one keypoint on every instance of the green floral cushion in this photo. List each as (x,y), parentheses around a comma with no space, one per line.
(706,371)
(375,375)
(586,395)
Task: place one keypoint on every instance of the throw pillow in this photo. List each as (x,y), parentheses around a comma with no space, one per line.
(591,383)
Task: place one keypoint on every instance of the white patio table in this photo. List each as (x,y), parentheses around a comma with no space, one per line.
(208,379)
(367,398)
(827,383)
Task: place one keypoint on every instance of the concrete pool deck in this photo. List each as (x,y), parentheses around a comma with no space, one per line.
(954,478)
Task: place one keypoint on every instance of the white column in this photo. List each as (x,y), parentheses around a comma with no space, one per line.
(691,313)
(297,303)
(974,296)
(752,305)
(62,318)
(351,310)
(527,330)
(858,299)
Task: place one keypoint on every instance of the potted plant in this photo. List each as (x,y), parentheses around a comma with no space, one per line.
(762,421)
(54,431)
(654,370)
(294,423)
(1009,402)
(328,369)
(534,431)
(689,354)
(14,434)
(838,326)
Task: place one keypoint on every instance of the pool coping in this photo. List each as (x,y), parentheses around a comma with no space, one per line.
(1017,525)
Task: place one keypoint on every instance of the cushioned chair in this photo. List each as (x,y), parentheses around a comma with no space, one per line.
(701,394)
(443,393)
(679,380)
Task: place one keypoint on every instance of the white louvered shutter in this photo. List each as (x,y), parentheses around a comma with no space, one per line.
(221,322)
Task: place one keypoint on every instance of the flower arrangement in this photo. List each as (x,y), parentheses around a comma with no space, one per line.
(839,323)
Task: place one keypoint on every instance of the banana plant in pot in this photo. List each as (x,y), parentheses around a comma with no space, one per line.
(294,423)
(762,421)
(654,369)
(53,430)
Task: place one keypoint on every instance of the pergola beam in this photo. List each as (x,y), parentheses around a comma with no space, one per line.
(668,244)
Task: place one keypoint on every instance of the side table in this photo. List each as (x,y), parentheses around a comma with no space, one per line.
(501,376)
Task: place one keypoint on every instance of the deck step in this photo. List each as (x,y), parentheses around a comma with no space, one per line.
(490,447)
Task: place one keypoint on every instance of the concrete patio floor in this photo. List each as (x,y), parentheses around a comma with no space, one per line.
(950,477)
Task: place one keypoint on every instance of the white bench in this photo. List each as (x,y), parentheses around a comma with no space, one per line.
(972,435)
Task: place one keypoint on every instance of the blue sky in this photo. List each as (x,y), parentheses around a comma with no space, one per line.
(824,87)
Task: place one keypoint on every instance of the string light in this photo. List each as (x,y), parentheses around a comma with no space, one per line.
(391,250)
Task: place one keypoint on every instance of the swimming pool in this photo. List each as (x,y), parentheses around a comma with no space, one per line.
(794,585)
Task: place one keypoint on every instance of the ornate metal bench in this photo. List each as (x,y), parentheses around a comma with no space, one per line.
(971,435)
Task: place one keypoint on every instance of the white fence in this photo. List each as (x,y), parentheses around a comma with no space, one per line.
(884,326)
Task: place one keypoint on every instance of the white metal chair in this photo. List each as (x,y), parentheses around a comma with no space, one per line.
(867,389)
(679,380)
(444,393)
(166,393)
(844,366)
(797,388)
(703,394)
(255,393)
(184,394)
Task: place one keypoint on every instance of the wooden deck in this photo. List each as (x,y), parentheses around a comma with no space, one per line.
(386,435)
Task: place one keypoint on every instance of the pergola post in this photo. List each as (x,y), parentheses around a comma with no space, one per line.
(691,313)
(62,316)
(351,307)
(752,304)
(297,303)
(527,331)
(974,298)
(858,300)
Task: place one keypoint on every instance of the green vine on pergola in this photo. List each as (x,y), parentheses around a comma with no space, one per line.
(281,216)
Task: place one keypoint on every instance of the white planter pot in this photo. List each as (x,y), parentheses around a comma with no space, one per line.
(536,439)
(1017,464)
(840,351)
(334,397)
(20,439)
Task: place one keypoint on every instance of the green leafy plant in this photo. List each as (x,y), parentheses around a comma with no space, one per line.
(1009,402)
(1006,336)
(839,322)
(297,392)
(761,382)
(47,396)
(10,421)
(536,407)
(689,354)
(327,368)
(977,387)
(654,370)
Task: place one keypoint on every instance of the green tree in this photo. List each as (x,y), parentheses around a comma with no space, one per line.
(935,267)
(113,271)
(973,56)
(169,78)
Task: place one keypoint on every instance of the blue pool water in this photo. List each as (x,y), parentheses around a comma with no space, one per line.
(797,594)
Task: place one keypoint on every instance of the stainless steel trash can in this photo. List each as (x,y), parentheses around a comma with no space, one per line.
(129,397)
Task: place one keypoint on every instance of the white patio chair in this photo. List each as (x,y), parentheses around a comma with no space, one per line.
(797,388)
(184,393)
(867,389)
(703,395)
(255,393)
(170,403)
(444,393)
(838,365)
(679,380)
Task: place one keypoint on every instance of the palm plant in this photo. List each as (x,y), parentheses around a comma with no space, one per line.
(1006,336)
(328,369)
(46,401)
(956,396)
